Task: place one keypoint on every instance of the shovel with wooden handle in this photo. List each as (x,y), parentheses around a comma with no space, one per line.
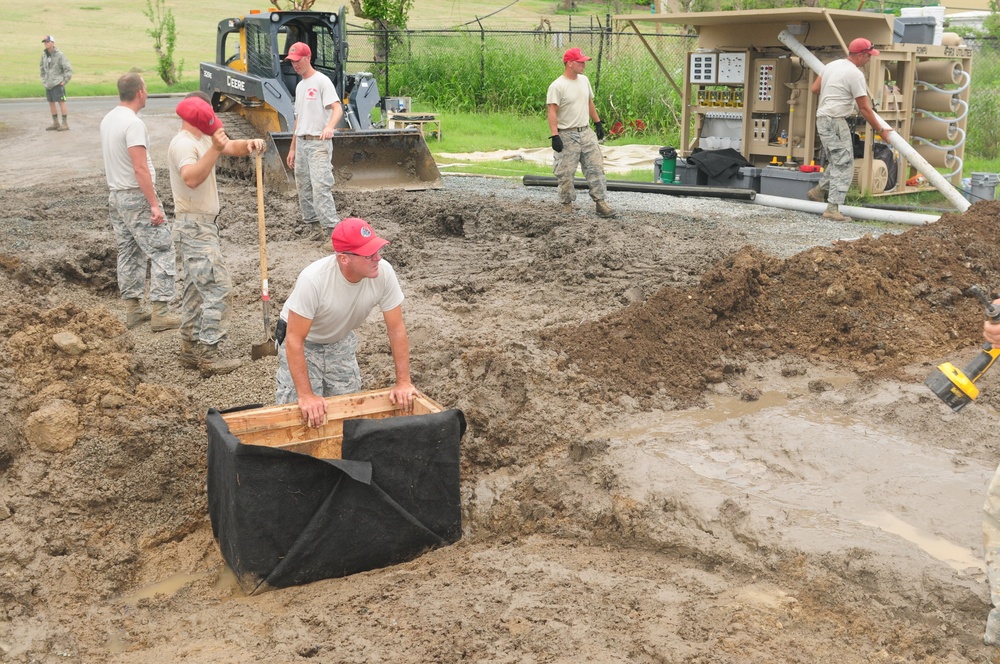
(266,347)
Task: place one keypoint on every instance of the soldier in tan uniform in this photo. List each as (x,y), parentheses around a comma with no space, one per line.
(570,102)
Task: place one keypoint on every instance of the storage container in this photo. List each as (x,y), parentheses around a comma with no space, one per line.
(786,182)
(914,30)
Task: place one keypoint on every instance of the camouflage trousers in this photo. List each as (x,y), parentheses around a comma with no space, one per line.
(838,152)
(333,370)
(991,547)
(206,303)
(137,242)
(580,147)
(314,182)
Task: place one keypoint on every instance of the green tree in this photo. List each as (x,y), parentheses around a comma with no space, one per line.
(388,18)
(386,14)
(991,24)
(164,34)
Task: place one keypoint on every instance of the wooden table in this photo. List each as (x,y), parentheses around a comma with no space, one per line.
(418,120)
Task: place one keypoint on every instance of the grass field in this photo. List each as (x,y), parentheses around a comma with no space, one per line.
(105,38)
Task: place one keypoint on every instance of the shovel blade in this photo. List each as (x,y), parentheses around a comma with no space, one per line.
(264,349)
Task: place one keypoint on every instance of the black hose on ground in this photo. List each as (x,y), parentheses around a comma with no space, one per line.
(649,188)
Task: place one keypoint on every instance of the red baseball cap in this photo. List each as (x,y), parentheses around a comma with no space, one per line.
(356,236)
(298,51)
(862,45)
(574,55)
(199,113)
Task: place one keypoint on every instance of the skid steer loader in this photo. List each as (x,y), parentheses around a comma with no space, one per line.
(252,87)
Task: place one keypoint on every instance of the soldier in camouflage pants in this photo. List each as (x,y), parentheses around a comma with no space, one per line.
(205,305)
(205,308)
(333,369)
(333,297)
(570,108)
(137,220)
(318,111)
(314,182)
(136,239)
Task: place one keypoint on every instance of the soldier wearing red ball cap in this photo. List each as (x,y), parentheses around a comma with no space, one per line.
(570,104)
(843,92)
(332,298)
(205,306)
(318,111)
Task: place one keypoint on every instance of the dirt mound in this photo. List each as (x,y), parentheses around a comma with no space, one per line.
(117,461)
(875,304)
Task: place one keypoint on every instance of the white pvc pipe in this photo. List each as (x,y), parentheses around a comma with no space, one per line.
(936,179)
(870,214)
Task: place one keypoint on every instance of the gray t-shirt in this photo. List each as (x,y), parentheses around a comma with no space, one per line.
(122,129)
(335,305)
(312,96)
(843,82)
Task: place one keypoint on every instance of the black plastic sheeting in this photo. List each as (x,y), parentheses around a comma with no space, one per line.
(722,164)
(283,518)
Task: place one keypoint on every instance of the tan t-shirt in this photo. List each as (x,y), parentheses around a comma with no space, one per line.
(185,150)
(573,98)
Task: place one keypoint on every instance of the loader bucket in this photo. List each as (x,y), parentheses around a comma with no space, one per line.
(366,160)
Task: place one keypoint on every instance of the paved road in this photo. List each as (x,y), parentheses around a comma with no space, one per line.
(155,105)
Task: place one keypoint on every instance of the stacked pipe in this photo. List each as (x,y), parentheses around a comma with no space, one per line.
(936,137)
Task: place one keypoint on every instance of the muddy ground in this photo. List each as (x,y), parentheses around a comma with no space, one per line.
(695,436)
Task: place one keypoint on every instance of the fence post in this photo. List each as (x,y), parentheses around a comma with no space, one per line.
(482,65)
(600,59)
(388,58)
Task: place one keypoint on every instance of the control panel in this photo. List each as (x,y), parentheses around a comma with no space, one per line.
(732,68)
(703,67)
(770,92)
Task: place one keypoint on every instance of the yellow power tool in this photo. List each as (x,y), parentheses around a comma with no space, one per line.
(955,387)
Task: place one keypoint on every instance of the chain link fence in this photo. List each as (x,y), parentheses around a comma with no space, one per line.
(508,71)
(472,69)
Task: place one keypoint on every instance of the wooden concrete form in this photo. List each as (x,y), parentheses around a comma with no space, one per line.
(282,426)
(791,108)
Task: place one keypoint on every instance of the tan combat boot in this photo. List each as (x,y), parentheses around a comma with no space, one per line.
(135,314)
(817,194)
(64,126)
(604,210)
(55,124)
(211,362)
(833,213)
(189,354)
(162,319)
(314,232)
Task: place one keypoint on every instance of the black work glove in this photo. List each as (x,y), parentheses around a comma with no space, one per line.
(599,128)
(556,142)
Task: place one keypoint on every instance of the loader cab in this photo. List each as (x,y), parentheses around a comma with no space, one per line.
(325,39)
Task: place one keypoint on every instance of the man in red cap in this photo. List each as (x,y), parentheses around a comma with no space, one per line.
(570,103)
(332,297)
(317,113)
(205,307)
(843,93)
